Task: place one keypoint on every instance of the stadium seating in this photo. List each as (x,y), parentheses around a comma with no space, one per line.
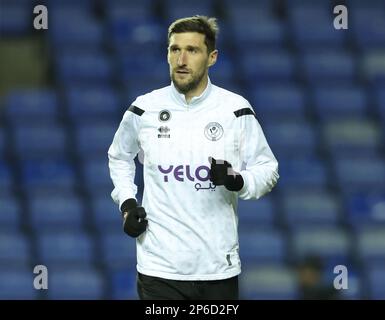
(15,248)
(269,282)
(376,280)
(85,283)
(17,284)
(10,212)
(255,214)
(58,247)
(332,244)
(22,106)
(262,245)
(310,208)
(56,211)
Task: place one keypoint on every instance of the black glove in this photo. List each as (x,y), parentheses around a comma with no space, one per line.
(222,174)
(134,223)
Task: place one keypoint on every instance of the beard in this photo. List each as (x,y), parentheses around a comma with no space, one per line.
(191,84)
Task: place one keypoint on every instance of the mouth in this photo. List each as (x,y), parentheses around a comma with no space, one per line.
(182,72)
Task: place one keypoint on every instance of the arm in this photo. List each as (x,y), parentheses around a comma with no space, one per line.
(261,172)
(121,156)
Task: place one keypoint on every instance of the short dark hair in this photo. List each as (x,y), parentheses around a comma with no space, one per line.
(201,24)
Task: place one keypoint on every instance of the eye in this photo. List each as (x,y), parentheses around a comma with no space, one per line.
(193,50)
(174,50)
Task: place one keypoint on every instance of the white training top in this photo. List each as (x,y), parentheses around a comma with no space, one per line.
(192,224)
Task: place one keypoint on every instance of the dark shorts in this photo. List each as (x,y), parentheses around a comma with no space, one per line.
(154,288)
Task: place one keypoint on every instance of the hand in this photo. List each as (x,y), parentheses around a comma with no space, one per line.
(222,174)
(134,223)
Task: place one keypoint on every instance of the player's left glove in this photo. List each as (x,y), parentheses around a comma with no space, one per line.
(222,174)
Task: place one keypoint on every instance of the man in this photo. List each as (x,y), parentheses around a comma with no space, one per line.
(202,147)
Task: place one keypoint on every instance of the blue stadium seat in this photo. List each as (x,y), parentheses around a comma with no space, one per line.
(105,212)
(6,176)
(75,67)
(310,208)
(328,66)
(223,69)
(332,244)
(274,65)
(15,249)
(316,4)
(371,243)
(359,174)
(232,85)
(313,27)
(94,138)
(347,137)
(3,141)
(144,66)
(372,66)
(14,19)
(92,102)
(124,284)
(268,282)
(268,33)
(68,5)
(368,26)
(291,138)
(75,31)
(260,245)
(275,102)
(136,87)
(10,212)
(134,10)
(17,284)
(76,284)
(338,102)
(96,173)
(56,211)
(365,209)
(118,249)
(65,248)
(376,281)
(379,95)
(256,213)
(22,106)
(303,173)
(39,140)
(135,36)
(248,11)
(176,9)
(48,173)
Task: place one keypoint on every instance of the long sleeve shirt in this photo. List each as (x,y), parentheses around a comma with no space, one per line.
(192,231)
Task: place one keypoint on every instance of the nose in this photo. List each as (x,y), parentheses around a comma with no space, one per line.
(182,59)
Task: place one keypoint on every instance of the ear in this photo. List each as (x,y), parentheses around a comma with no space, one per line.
(168,55)
(213,58)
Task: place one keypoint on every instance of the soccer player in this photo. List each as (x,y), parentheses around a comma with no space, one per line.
(203,148)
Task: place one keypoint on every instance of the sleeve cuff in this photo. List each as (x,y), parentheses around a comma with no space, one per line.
(244,191)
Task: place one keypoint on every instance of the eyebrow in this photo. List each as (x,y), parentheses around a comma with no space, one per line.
(174,46)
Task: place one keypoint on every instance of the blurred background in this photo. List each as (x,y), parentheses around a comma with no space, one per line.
(319,94)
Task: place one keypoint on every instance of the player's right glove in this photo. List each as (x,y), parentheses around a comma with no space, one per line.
(223,174)
(134,222)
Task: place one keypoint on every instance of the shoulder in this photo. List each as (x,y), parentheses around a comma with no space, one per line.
(150,99)
(231,100)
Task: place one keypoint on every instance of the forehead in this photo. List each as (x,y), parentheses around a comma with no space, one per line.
(188,39)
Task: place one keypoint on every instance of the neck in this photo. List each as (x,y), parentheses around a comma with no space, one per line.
(198,90)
